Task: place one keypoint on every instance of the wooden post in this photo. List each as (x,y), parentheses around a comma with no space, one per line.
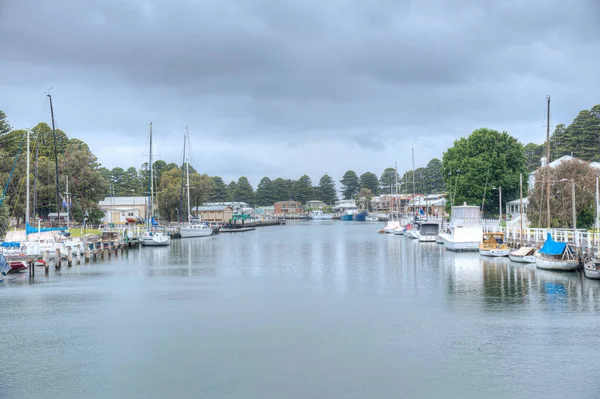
(58,259)
(69,257)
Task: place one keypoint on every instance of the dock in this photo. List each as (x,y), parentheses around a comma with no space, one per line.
(238,230)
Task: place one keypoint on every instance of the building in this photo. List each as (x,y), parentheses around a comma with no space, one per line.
(284,207)
(554,164)
(344,205)
(386,202)
(213,213)
(315,204)
(236,206)
(118,209)
(433,204)
(513,208)
(265,210)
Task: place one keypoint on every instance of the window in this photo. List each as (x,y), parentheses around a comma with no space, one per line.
(130,214)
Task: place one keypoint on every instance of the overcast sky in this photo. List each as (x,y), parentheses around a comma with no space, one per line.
(283,88)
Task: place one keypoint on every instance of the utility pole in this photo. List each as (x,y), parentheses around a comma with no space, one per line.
(58,203)
(548,161)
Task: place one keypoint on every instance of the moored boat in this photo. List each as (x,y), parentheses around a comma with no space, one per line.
(360,216)
(555,255)
(428,232)
(591,269)
(319,215)
(523,255)
(195,230)
(156,237)
(492,244)
(4,267)
(464,230)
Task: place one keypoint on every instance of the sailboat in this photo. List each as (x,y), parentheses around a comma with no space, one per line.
(523,254)
(393,224)
(154,235)
(191,229)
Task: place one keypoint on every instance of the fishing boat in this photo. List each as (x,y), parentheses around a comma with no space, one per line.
(360,216)
(464,230)
(319,215)
(492,244)
(591,269)
(555,255)
(347,216)
(523,255)
(428,232)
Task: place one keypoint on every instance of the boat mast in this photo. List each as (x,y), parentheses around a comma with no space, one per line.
(67,201)
(396,190)
(35,174)
(548,161)
(151,200)
(597,206)
(187,183)
(58,203)
(521,206)
(27,191)
(180,213)
(413,179)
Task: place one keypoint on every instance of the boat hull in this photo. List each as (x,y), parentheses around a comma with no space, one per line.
(458,246)
(591,271)
(439,240)
(156,240)
(360,217)
(555,264)
(498,253)
(522,259)
(187,232)
(425,238)
(346,218)
(411,234)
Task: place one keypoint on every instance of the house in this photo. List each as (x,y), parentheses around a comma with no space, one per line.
(236,206)
(388,202)
(554,164)
(265,210)
(315,204)
(118,209)
(433,204)
(513,208)
(213,213)
(283,207)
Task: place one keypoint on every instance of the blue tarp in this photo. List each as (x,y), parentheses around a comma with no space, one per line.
(552,247)
(9,244)
(31,230)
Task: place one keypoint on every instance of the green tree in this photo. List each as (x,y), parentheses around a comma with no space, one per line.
(369,180)
(533,154)
(168,197)
(485,159)
(582,137)
(160,167)
(282,189)
(363,198)
(303,190)
(388,180)
(4,126)
(201,189)
(4,218)
(244,191)
(434,179)
(326,190)
(219,193)
(232,191)
(350,185)
(265,192)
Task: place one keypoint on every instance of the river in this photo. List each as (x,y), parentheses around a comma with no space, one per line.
(307,310)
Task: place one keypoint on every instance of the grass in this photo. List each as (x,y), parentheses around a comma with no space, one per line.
(77,232)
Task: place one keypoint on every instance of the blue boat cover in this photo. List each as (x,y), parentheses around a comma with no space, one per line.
(31,230)
(552,247)
(10,244)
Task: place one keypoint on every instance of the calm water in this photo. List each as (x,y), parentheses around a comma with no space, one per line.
(322,310)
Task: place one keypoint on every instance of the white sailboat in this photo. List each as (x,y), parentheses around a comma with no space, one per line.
(154,236)
(555,255)
(523,254)
(392,225)
(190,229)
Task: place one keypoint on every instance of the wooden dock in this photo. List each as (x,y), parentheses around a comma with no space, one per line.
(238,230)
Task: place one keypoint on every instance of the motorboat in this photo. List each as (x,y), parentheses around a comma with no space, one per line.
(347,216)
(591,269)
(372,218)
(428,232)
(319,215)
(523,255)
(555,255)
(195,230)
(412,229)
(492,244)
(464,230)
(360,216)
(156,237)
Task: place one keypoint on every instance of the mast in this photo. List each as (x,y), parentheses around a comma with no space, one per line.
(396,190)
(521,206)
(35,175)
(548,161)
(27,191)
(58,203)
(151,199)
(413,179)
(597,206)
(187,183)
(180,213)
(67,201)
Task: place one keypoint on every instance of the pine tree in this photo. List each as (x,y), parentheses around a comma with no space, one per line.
(350,185)
(326,190)
(232,191)
(304,190)
(281,190)
(265,192)
(219,193)
(369,180)
(388,180)
(244,191)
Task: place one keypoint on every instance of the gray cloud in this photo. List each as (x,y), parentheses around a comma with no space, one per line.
(287,88)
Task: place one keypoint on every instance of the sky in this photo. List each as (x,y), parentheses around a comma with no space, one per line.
(286,88)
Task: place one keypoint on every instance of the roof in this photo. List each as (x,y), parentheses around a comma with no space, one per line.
(210,208)
(287,202)
(120,201)
(232,204)
(518,201)
(524,251)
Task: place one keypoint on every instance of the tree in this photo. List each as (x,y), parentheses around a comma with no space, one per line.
(369,180)
(363,198)
(388,180)
(582,137)
(231,191)
(282,189)
(201,189)
(219,193)
(485,159)
(244,191)
(434,179)
(560,195)
(326,190)
(533,155)
(265,192)
(168,196)
(4,126)
(4,218)
(304,190)
(160,167)
(350,184)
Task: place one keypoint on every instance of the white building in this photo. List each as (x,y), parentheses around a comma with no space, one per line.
(236,206)
(554,164)
(118,209)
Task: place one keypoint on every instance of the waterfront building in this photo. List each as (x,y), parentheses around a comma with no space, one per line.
(213,213)
(284,207)
(118,209)
(315,204)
